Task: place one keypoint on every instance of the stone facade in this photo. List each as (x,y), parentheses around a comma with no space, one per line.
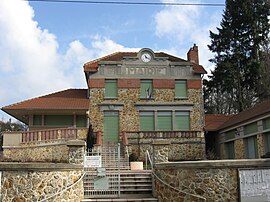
(239,149)
(260,142)
(27,186)
(46,152)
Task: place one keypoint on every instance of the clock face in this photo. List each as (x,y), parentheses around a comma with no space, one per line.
(146,57)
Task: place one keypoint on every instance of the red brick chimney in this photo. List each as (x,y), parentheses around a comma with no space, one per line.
(193,54)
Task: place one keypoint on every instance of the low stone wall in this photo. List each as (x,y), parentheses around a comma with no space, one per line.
(56,151)
(179,149)
(27,182)
(202,180)
(47,151)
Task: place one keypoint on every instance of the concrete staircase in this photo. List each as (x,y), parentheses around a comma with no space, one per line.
(134,185)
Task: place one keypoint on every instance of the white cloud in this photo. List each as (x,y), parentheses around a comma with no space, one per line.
(185,25)
(31,63)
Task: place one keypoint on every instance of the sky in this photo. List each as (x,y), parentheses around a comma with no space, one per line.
(43,45)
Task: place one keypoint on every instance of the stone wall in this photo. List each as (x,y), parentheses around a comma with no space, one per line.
(260,142)
(27,182)
(43,151)
(209,181)
(179,148)
(239,149)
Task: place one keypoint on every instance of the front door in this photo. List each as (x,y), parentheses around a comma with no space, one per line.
(111,126)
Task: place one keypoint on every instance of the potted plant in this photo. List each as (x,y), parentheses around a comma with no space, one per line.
(135,164)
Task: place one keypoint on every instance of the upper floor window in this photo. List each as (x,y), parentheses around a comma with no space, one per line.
(111,90)
(182,121)
(181,89)
(251,128)
(146,89)
(230,135)
(147,121)
(164,120)
(266,142)
(266,123)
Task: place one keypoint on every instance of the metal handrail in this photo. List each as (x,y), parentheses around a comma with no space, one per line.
(165,183)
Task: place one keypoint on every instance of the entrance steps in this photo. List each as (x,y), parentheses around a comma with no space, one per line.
(135,186)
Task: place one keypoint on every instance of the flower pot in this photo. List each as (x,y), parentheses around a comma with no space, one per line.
(136,165)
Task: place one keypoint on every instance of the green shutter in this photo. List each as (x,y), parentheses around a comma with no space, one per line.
(37,120)
(81,121)
(146,89)
(267,123)
(164,121)
(147,121)
(251,128)
(230,135)
(230,150)
(111,127)
(181,89)
(182,121)
(111,88)
(58,120)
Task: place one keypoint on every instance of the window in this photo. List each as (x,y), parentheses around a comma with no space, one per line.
(251,147)
(147,121)
(266,123)
(111,88)
(81,121)
(230,135)
(229,146)
(251,128)
(180,88)
(267,142)
(37,120)
(164,120)
(146,89)
(58,120)
(182,121)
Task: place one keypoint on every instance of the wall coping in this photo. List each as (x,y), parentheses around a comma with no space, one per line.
(237,163)
(16,166)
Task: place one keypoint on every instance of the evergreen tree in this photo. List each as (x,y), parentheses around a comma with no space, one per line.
(244,28)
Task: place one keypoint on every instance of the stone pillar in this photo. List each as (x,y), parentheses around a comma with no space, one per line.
(160,150)
(76,151)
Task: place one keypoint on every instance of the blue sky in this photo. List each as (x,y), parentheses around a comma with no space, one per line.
(44,45)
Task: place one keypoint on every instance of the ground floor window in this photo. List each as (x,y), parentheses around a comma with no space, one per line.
(251,147)
(164,120)
(229,146)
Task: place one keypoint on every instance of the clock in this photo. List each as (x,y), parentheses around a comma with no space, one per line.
(146,57)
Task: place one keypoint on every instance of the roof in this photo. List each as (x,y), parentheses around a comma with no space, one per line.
(214,121)
(92,66)
(66,99)
(257,111)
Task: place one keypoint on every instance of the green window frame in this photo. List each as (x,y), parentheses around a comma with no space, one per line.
(37,120)
(182,120)
(147,121)
(146,88)
(251,147)
(266,123)
(251,128)
(111,126)
(111,90)
(230,152)
(164,120)
(180,88)
(230,134)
